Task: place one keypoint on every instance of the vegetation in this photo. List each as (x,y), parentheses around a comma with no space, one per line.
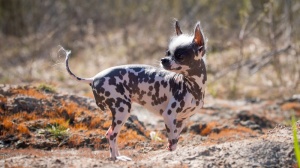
(58,131)
(296,143)
(46,88)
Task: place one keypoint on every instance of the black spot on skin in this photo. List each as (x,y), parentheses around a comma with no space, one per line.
(138,69)
(175,131)
(173,105)
(161,111)
(113,111)
(112,81)
(110,149)
(168,130)
(120,88)
(185,110)
(156,87)
(178,89)
(174,141)
(121,109)
(142,102)
(101,90)
(111,137)
(113,124)
(125,102)
(179,109)
(110,101)
(107,93)
(119,122)
(164,83)
(169,112)
(182,103)
(179,124)
(123,72)
(174,121)
(150,88)
(151,78)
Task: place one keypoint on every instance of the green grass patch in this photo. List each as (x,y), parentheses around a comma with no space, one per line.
(57,131)
(46,88)
(296,143)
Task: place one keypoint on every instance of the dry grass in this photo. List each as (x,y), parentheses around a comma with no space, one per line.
(62,120)
(59,121)
(96,122)
(30,92)
(8,124)
(81,127)
(76,140)
(22,128)
(130,135)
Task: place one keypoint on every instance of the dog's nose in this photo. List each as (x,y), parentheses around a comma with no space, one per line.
(164,60)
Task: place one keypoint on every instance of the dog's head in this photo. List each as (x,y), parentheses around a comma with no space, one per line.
(185,52)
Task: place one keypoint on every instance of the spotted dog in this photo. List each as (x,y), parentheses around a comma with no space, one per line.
(175,91)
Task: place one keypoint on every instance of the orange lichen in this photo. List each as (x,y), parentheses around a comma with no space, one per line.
(23,129)
(231,133)
(80,126)
(76,140)
(7,123)
(130,135)
(291,106)
(106,124)
(30,92)
(208,129)
(95,123)
(3,99)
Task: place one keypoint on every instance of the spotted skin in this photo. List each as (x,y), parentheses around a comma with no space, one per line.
(175,91)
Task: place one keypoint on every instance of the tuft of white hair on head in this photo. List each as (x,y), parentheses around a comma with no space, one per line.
(181,40)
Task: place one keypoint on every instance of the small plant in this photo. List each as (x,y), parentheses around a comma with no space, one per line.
(296,144)
(46,88)
(154,136)
(57,131)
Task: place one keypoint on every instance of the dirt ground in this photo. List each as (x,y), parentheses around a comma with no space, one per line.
(240,133)
(274,149)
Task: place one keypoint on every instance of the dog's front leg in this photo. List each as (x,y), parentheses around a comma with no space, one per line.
(169,116)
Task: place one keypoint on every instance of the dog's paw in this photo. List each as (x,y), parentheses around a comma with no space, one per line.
(123,158)
(172,145)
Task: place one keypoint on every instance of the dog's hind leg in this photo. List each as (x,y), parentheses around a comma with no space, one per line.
(120,116)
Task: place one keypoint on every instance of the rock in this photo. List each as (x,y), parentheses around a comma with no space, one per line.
(21,144)
(250,124)
(25,103)
(247,119)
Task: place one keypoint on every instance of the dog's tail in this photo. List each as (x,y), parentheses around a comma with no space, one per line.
(85,80)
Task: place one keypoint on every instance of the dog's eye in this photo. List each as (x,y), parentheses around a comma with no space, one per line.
(179,57)
(168,53)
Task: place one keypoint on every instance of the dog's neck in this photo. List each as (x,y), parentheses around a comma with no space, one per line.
(196,79)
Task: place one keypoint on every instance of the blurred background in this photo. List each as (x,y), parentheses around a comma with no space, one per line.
(253,46)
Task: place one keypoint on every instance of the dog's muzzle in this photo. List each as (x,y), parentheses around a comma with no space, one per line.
(166,64)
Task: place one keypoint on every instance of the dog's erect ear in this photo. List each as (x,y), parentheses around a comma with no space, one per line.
(177,28)
(198,36)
